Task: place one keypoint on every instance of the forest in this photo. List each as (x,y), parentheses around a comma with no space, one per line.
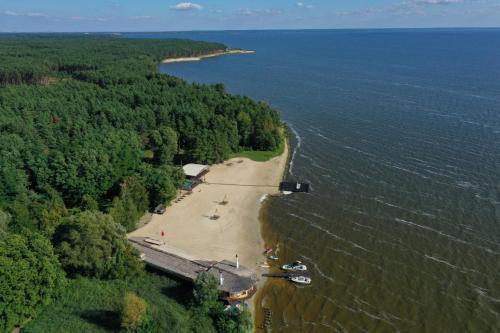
(91,137)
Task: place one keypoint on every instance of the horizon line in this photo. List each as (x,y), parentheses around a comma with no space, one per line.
(242,30)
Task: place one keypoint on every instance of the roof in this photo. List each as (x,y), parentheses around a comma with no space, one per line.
(235,280)
(194,170)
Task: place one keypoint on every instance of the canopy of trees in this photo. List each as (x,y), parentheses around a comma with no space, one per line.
(92,244)
(30,277)
(91,136)
(86,121)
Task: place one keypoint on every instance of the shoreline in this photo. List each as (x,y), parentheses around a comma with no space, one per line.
(189,231)
(210,55)
(270,238)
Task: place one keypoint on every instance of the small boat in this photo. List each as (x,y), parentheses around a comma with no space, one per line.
(295,266)
(265,265)
(268,250)
(275,258)
(301,279)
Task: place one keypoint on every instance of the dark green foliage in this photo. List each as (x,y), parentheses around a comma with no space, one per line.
(230,323)
(79,115)
(30,277)
(91,136)
(92,244)
(131,204)
(205,293)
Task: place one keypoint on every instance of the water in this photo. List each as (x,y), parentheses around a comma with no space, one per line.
(398,131)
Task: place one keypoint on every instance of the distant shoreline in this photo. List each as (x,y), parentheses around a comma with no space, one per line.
(209,55)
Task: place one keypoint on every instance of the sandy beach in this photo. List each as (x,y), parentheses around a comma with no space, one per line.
(210,55)
(188,229)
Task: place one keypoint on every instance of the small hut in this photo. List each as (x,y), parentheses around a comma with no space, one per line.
(194,175)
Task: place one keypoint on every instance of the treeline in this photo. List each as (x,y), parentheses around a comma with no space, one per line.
(26,58)
(91,136)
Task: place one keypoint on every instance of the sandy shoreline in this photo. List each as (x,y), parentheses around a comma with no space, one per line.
(189,231)
(210,55)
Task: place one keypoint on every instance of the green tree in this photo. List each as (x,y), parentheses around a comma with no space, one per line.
(161,183)
(131,204)
(226,322)
(206,293)
(31,277)
(92,244)
(5,219)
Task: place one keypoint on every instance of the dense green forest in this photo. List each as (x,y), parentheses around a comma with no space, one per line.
(91,137)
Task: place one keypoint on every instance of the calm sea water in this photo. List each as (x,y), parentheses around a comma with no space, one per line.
(398,131)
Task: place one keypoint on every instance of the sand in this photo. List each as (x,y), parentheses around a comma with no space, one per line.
(188,229)
(210,55)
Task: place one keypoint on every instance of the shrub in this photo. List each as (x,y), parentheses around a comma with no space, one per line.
(133,312)
(92,244)
(30,277)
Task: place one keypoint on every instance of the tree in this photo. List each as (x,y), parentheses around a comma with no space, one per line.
(31,277)
(131,204)
(92,244)
(205,293)
(161,183)
(4,220)
(239,323)
(133,312)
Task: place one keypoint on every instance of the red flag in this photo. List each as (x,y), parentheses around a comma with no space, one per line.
(162,234)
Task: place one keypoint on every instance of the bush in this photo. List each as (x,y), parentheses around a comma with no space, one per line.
(92,244)
(30,277)
(205,293)
(133,312)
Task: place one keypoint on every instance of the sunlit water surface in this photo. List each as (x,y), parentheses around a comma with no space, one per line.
(398,132)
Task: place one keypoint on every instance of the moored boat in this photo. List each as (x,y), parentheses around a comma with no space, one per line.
(301,279)
(295,266)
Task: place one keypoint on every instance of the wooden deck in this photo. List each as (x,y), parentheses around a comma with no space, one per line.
(235,280)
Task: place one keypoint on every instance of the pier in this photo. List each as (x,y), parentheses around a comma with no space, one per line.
(287,275)
(294,187)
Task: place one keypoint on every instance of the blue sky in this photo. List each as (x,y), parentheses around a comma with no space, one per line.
(167,15)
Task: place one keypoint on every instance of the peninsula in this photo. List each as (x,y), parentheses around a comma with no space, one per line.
(216,53)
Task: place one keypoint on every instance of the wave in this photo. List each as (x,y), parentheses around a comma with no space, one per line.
(442,261)
(297,147)
(329,233)
(439,232)
(317,268)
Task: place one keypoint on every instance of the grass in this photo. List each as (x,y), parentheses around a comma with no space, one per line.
(92,306)
(262,156)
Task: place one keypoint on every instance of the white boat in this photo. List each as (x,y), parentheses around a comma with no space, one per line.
(295,266)
(275,258)
(301,279)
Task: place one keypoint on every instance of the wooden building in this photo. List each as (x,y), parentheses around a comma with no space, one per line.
(236,282)
(194,175)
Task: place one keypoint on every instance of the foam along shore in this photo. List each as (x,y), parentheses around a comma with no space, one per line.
(209,55)
(188,229)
